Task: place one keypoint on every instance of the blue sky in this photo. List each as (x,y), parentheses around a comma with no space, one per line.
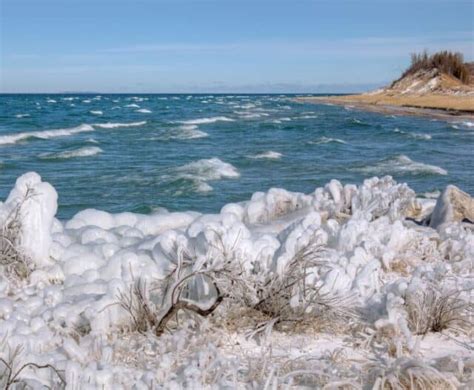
(221,45)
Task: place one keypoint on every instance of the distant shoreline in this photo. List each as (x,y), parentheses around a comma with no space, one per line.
(398,106)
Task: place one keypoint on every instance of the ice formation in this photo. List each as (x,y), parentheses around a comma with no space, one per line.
(66,313)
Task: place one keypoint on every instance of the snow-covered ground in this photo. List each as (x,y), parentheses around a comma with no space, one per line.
(345,287)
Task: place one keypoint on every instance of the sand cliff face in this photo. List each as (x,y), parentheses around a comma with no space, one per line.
(427,82)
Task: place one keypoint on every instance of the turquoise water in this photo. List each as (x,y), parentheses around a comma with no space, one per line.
(199,152)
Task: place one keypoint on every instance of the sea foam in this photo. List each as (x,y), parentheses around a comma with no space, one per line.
(402,165)
(45,134)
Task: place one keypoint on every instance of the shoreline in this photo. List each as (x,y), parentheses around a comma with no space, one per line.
(389,109)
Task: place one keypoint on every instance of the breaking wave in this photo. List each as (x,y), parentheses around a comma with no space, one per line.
(181,133)
(202,121)
(116,125)
(326,140)
(201,171)
(86,151)
(143,111)
(44,134)
(270,155)
(413,135)
(402,165)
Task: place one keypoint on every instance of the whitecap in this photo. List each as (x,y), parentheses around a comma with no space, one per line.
(51,101)
(201,171)
(207,120)
(402,165)
(22,115)
(413,135)
(182,133)
(326,140)
(116,125)
(269,155)
(250,115)
(85,151)
(143,111)
(87,101)
(132,106)
(45,134)
(96,112)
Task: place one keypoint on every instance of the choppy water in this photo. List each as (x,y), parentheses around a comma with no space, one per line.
(199,152)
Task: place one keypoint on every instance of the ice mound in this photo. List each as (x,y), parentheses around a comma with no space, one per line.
(85,151)
(365,243)
(36,204)
(45,134)
(402,165)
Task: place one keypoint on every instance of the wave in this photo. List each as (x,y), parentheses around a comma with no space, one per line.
(402,165)
(51,101)
(358,122)
(97,112)
(110,125)
(413,135)
(270,155)
(326,140)
(202,121)
(143,111)
(22,115)
(189,132)
(132,106)
(201,171)
(462,125)
(86,151)
(251,115)
(182,133)
(45,134)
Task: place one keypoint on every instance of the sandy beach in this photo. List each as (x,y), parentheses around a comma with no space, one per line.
(439,106)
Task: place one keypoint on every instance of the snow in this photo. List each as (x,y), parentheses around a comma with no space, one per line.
(67,312)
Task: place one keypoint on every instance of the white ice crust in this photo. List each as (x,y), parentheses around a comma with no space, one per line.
(81,264)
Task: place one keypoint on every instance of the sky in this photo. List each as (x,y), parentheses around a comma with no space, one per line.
(162,46)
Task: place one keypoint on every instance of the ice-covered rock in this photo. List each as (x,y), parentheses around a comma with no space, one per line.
(453,205)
